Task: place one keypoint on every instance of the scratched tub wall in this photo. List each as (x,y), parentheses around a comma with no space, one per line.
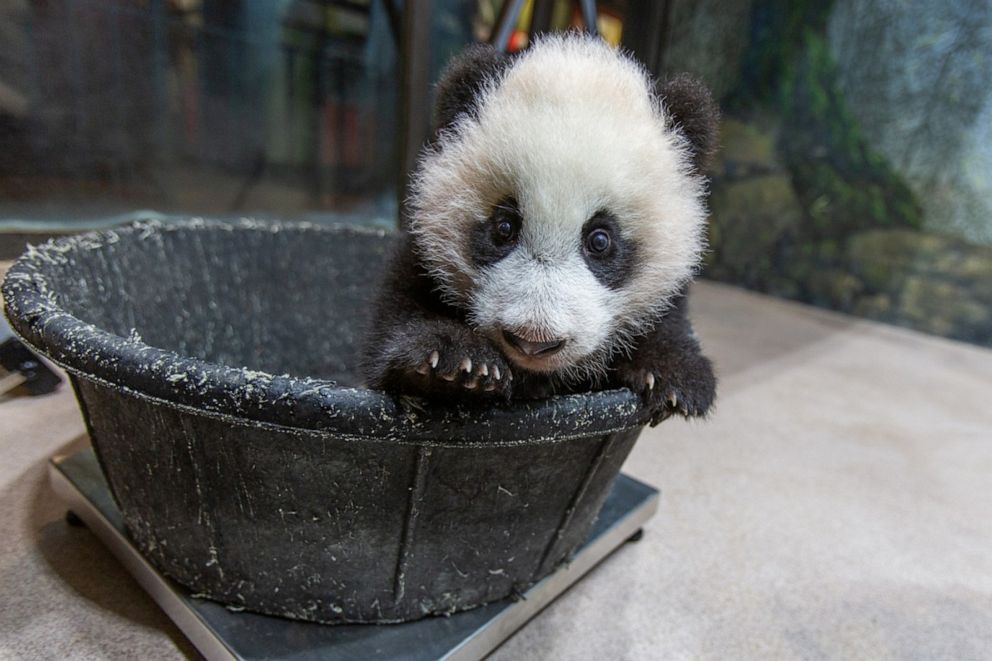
(336,530)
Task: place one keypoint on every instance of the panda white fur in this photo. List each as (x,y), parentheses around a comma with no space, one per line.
(553,225)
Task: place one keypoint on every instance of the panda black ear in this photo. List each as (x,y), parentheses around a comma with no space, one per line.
(462,81)
(690,106)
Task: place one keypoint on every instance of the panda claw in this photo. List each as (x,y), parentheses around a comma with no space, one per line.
(496,375)
(673,400)
(649,381)
(472,385)
(484,370)
(434,358)
(466,365)
(424,369)
(448,377)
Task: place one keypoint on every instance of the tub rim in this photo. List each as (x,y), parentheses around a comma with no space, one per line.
(295,404)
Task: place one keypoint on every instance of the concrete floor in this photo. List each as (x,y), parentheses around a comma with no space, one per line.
(837,505)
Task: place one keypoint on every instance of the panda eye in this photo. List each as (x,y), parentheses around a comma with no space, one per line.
(505,230)
(506,222)
(598,241)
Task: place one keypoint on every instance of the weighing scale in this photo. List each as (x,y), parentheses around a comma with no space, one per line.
(220,633)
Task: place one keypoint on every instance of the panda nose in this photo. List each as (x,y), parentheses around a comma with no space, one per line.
(531,348)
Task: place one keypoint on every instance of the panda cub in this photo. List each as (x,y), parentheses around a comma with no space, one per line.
(552,229)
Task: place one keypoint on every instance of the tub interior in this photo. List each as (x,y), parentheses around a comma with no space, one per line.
(283,301)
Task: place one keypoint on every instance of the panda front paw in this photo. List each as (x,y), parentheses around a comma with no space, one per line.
(464,369)
(454,362)
(685,387)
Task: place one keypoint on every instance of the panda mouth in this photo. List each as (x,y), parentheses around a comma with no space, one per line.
(532,349)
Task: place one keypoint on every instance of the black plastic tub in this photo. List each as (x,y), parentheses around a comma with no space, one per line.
(216,368)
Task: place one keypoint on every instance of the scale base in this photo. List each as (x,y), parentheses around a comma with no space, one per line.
(219,633)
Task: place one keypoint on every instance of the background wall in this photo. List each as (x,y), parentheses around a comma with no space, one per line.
(856,168)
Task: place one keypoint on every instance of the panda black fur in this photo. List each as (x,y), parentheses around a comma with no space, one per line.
(553,226)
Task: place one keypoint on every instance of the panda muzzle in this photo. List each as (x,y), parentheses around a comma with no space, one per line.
(530,348)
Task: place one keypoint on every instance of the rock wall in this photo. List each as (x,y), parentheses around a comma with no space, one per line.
(854,170)
(916,74)
(759,238)
(705,38)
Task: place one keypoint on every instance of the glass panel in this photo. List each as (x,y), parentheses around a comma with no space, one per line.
(856,165)
(120,108)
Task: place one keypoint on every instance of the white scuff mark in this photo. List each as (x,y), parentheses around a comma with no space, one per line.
(212,550)
(256,375)
(147,228)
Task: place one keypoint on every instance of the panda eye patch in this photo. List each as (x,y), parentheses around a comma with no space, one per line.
(610,255)
(598,241)
(497,237)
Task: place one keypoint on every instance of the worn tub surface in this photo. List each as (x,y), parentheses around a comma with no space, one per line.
(216,366)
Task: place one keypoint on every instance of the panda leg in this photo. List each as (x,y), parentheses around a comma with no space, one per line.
(668,370)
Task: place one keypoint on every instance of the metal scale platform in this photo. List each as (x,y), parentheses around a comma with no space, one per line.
(219,633)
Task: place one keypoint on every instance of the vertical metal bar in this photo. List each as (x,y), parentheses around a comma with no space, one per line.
(588,8)
(76,85)
(318,101)
(645,28)
(37,136)
(393,16)
(540,17)
(160,65)
(664,27)
(414,116)
(121,106)
(203,110)
(505,22)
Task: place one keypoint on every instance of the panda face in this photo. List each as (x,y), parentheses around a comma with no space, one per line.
(563,213)
(549,299)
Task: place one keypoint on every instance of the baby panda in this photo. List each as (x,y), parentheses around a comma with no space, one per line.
(552,228)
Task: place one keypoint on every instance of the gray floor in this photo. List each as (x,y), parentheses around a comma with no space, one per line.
(837,505)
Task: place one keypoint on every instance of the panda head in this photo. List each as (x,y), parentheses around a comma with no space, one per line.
(560,204)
